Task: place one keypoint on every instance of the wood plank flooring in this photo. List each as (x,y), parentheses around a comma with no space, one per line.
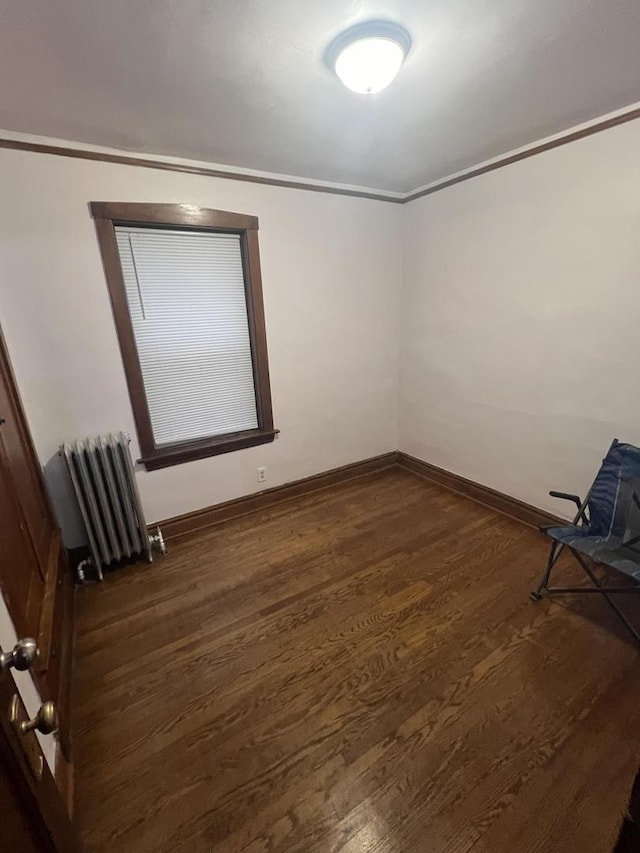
(359,669)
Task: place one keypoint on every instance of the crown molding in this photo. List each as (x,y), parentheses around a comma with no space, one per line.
(629,113)
(63,148)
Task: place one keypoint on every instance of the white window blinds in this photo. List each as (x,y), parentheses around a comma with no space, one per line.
(188,309)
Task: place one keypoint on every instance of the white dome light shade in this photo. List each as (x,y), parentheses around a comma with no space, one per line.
(367,57)
(369,65)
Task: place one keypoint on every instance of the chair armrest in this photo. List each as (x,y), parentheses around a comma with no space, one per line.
(582,507)
(576,500)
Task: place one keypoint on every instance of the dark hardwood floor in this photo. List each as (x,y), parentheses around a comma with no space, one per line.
(359,669)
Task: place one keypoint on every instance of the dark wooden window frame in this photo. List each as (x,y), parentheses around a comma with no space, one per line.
(185,217)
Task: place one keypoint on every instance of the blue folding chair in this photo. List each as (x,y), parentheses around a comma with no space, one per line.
(606,529)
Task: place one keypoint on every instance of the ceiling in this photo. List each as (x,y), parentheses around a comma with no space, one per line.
(242,82)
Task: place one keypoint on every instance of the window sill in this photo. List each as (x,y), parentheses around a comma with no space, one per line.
(177,454)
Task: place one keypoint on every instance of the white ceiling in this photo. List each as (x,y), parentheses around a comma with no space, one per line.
(242,82)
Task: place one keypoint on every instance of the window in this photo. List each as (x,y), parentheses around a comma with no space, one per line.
(186,294)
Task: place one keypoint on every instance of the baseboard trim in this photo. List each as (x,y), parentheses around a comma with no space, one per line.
(191,522)
(505,504)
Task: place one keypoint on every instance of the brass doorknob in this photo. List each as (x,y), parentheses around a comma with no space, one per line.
(23,655)
(45,721)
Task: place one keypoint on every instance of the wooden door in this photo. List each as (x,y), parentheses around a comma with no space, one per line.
(34,817)
(20,581)
(23,465)
(34,574)
(26,519)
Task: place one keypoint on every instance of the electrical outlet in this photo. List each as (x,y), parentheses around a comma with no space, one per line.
(262,475)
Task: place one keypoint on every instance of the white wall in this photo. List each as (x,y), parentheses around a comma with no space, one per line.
(331,270)
(520,319)
(518,330)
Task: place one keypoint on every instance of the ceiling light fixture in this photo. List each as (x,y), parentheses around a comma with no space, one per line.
(368,56)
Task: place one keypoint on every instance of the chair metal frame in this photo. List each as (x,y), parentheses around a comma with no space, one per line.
(557,548)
